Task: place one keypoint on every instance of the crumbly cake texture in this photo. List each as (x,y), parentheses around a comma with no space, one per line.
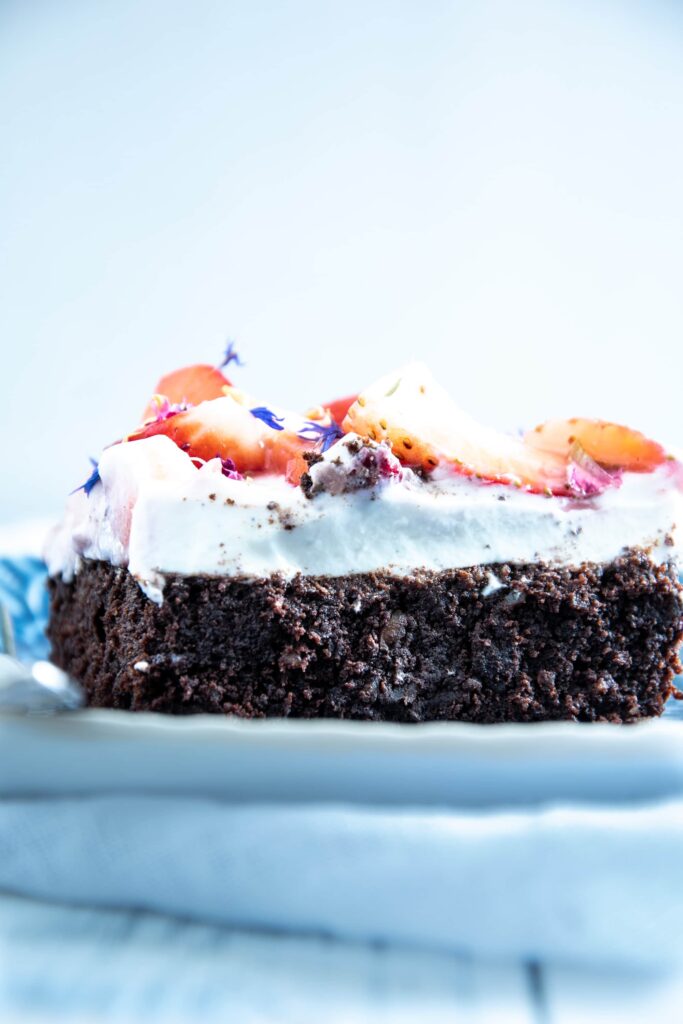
(496,643)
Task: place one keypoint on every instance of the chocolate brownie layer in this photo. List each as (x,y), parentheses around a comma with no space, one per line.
(496,643)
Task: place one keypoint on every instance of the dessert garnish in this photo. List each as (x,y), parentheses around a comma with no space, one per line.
(205,415)
(93,479)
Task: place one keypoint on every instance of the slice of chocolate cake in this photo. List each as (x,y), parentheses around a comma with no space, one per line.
(384,558)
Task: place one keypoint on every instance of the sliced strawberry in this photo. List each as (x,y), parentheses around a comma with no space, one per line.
(609,444)
(339,407)
(226,427)
(284,456)
(296,467)
(220,427)
(425,428)
(192,384)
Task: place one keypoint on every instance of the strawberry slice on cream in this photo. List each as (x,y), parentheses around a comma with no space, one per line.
(611,445)
(255,439)
(426,429)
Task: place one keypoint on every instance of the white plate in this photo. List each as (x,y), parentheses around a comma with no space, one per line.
(97,751)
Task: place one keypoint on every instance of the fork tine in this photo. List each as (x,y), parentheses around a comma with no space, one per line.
(7,643)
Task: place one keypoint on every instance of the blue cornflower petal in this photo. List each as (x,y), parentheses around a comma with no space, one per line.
(268,417)
(93,479)
(324,435)
(230,356)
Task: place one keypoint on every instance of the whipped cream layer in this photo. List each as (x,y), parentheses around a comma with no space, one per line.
(157,513)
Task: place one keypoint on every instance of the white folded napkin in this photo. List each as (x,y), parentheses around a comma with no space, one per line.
(587,885)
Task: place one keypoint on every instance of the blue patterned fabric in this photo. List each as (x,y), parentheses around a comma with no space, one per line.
(24,594)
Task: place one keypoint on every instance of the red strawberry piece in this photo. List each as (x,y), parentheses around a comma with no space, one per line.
(425,428)
(222,427)
(227,428)
(192,384)
(340,407)
(609,444)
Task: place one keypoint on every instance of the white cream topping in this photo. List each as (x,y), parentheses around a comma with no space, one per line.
(157,513)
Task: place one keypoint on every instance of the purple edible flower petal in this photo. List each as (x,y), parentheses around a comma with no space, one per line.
(229,469)
(675,468)
(166,409)
(268,417)
(322,434)
(93,479)
(586,477)
(230,356)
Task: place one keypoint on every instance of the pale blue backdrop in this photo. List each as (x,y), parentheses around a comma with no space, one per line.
(492,186)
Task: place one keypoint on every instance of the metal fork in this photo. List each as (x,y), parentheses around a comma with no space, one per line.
(41,688)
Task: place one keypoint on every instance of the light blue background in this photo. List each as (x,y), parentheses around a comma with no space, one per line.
(494,187)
